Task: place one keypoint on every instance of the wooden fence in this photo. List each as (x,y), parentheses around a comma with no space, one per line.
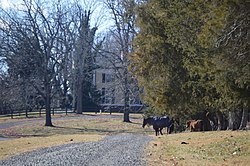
(58,110)
(34,113)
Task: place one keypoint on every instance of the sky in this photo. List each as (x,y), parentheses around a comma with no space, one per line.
(103,25)
(7,3)
(103,22)
(4,3)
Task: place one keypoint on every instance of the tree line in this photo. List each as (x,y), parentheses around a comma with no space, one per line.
(192,57)
(49,52)
(45,48)
(189,58)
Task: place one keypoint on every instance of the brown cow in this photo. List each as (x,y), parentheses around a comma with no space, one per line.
(194,125)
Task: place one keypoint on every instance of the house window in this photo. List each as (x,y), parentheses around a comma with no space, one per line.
(107,78)
(103,77)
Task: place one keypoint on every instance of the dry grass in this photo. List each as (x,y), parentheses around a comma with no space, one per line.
(207,148)
(197,148)
(94,124)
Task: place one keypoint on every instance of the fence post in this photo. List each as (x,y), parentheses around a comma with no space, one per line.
(26,112)
(66,110)
(40,112)
(11,113)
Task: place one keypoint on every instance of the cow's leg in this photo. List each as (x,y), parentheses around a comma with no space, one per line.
(161,131)
(156,131)
(169,130)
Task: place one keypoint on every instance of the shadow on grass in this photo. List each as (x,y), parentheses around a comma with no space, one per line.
(86,130)
(136,123)
(3,138)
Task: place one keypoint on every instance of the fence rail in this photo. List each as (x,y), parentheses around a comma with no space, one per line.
(37,112)
(58,110)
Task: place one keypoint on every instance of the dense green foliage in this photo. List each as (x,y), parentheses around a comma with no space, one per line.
(193,55)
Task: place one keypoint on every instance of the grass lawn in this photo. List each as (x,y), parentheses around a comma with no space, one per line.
(201,148)
(196,148)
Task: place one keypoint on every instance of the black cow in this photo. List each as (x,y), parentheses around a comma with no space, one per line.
(159,123)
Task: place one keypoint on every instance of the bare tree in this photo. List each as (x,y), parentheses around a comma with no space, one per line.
(85,50)
(50,47)
(33,38)
(123,13)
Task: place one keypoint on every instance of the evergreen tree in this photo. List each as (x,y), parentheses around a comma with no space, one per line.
(204,44)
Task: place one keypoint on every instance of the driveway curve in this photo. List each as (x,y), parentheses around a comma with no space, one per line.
(114,150)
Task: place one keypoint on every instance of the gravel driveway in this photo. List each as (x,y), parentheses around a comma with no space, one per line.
(114,150)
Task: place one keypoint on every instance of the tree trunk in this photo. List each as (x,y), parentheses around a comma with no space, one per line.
(48,121)
(79,104)
(231,120)
(47,91)
(243,119)
(126,116)
(48,112)
(219,120)
(126,99)
(126,112)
